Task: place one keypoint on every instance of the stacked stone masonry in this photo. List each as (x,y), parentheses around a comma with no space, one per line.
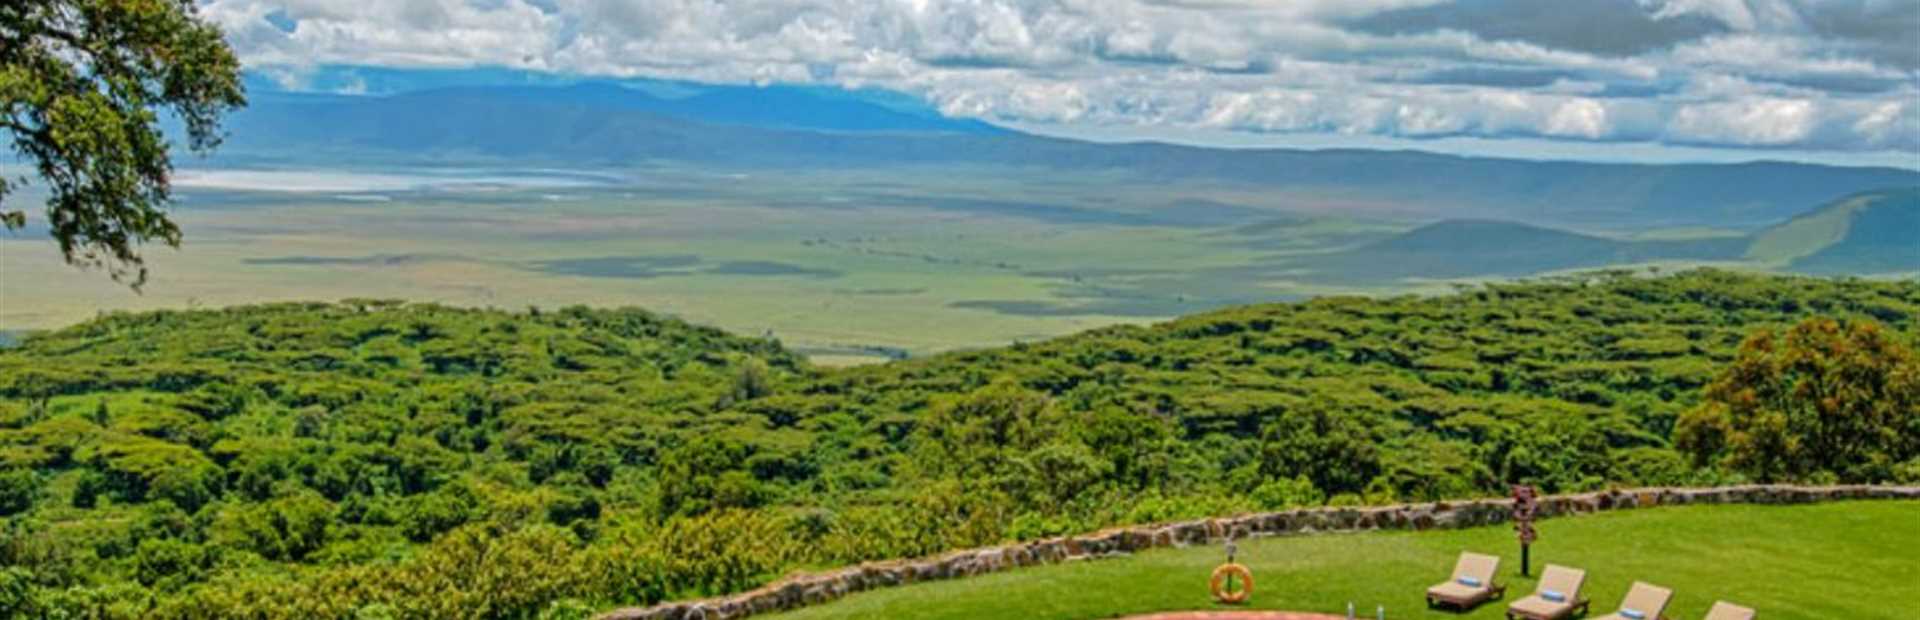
(815,588)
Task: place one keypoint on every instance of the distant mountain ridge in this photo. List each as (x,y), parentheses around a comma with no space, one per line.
(772,107)
(603,125)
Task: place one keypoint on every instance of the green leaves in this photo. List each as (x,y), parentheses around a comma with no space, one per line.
(1822,401)
(285,529)
(19,489)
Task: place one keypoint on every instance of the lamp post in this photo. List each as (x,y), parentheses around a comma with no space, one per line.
(1524,504)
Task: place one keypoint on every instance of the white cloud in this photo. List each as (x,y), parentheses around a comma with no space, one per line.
(1734,13)
(1770,122)
(1773,56)
(1579,118)
(1781,73)
(1819,123)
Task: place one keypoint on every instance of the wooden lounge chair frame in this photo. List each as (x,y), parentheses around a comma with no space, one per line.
(1579,610)
(1580,606)
(1642,588)
(1494,590)
(1723,610)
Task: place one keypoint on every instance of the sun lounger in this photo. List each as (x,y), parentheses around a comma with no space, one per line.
(1558,596)
(1723,610)
(1471,584)
(1644,601)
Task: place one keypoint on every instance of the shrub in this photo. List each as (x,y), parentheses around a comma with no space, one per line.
(168,563)
(1285,493)
(19,488)
(431,514)
(286,529)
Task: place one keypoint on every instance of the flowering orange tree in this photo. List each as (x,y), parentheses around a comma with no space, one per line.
(1824,401)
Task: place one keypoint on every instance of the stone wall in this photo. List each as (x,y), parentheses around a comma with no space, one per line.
(814,588)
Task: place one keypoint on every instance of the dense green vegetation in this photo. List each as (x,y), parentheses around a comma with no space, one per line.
(1787,562)
(375,459)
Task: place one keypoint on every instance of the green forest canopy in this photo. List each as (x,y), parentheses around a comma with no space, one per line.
(378,459)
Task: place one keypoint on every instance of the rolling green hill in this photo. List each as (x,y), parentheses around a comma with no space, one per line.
(1482,248)
(1863,234)
(1873,232)
(376,459)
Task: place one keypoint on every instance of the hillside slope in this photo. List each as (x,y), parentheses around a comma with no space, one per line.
(1873,232)
(1480,248)
(1863,234)
(356,459)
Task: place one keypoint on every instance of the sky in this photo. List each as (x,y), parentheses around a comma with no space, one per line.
(1831,80)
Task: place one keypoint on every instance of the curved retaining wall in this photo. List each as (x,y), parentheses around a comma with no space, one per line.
(815,588)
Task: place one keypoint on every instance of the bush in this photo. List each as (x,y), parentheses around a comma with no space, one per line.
(169,564)
(16,593)
(1283,494)
(431,514)
(139,469)
(1031,526)
(1908,472)
(285,529)
(19,488)
(88,486)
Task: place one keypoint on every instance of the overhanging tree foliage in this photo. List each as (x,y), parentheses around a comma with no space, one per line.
(83,85)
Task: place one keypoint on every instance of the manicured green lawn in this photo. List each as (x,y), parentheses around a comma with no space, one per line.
(1844,560)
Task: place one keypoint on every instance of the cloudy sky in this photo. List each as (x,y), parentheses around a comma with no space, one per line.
(1747,76)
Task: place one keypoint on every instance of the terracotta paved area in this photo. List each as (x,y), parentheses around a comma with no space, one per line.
(1236,615)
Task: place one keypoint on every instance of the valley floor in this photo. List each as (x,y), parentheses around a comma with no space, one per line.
(1841,560)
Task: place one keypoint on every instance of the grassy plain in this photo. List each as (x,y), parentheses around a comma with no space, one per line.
(1843,560)
(848,269)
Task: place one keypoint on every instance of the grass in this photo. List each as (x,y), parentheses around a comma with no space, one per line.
(854,272)
(1802,236)
(832,263)
(1839,560)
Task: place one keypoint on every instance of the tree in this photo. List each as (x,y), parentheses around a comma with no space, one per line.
(430,514)
(1825,399)
(971,435)
(83,85)
(1331,449)
(705,474)
(18,490)
(287,529)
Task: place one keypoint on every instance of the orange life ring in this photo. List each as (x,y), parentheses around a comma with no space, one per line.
(1219,583)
